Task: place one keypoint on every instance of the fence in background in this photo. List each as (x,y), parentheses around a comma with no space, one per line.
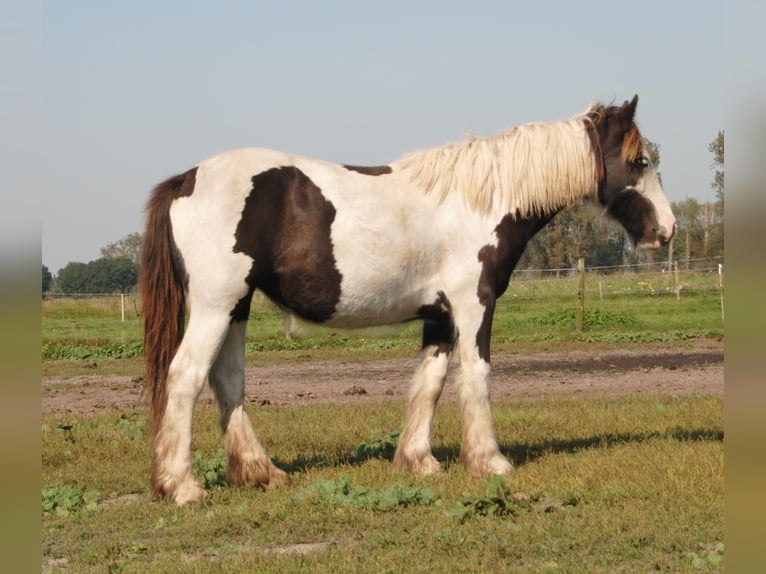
(582,283)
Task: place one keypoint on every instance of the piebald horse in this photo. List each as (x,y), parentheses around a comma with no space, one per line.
(433,236)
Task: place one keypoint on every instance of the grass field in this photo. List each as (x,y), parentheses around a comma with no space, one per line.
(632,484)
(625,485)
(533,314)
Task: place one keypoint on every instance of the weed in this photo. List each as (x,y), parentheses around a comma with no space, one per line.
(341,492)
(378,447)
(66,499)
(497,501)
(211,469)
(129,427)
(56,351)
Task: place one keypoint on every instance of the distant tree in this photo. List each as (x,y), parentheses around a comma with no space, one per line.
(119,274)
(129,246)
(688,242)
(47,280)
(716,147)
(104,275)
(73,278)
(653,149)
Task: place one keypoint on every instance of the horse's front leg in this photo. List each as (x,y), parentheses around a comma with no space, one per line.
(479,451)
(413,452)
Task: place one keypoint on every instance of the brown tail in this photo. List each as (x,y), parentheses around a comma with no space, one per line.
(162,282)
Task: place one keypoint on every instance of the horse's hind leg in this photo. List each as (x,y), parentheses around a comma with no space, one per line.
(413,452)
(171,470)
(248,463)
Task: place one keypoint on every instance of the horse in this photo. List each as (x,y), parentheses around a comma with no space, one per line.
(433,237)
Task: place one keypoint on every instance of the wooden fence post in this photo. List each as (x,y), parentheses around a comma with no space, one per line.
(720,286)
(580,294)
(600,289)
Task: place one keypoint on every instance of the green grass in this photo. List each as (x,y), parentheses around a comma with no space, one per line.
(633,484)
(533,314)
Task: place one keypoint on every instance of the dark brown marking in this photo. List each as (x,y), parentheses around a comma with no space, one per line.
(285,228)
(595,144)
(370,170)
(636,214)
(498,262)
(438,326)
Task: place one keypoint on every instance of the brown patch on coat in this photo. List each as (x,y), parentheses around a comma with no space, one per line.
(438,325)
(370,170)
(286,229)
(595,144)
(498,262)
(636,214)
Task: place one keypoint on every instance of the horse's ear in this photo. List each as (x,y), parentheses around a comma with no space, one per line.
(632,106)
(627,111)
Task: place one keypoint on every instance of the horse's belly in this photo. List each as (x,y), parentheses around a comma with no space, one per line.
(383,303)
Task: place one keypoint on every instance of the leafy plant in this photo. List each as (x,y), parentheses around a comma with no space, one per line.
(211,469)
(378,447)
(129,428)
(56,351)
(341,492)
(494,503)
(66,499)
(499,501)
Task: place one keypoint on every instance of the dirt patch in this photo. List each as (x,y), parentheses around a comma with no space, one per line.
(697,370)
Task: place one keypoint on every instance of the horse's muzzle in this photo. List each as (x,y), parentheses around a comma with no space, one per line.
(664,236)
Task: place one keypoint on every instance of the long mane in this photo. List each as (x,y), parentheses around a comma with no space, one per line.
(530,169)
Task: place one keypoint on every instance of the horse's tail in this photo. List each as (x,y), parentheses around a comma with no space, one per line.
(162,283)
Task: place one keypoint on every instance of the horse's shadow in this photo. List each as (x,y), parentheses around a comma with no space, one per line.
(524,453)
(519,453)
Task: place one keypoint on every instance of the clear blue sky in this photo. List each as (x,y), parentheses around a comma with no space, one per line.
(133,92)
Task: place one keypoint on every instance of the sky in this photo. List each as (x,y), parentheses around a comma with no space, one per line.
(126,94)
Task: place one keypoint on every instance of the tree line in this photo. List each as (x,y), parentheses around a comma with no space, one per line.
(116,271)
(573,233)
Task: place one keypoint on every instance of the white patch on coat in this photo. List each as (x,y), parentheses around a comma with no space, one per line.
(650,187)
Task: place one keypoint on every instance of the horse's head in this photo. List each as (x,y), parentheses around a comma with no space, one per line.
(629,189)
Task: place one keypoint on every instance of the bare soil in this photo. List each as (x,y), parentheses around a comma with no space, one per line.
(697,369)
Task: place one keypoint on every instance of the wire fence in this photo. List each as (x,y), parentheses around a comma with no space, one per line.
(687,266)
(685,279)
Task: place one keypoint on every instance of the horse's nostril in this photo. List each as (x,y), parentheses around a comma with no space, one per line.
(673,229)
(664,236)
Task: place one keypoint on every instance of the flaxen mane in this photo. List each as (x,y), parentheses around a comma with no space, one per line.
(532,168)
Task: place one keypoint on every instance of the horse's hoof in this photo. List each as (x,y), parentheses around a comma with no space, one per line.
(190,491)
(496,464)
(278,477)
(421,466)
(255,473)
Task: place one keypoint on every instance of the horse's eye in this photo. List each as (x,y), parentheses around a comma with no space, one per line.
(642,162)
